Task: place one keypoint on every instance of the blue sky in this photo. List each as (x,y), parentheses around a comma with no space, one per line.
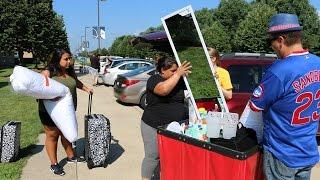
(121,17)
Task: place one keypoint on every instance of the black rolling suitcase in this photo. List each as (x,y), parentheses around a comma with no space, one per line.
(97,138)
(10,141)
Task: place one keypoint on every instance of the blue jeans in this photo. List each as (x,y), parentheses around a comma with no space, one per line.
(275,169)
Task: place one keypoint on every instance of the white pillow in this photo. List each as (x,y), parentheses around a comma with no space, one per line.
(63,115)
(30,83)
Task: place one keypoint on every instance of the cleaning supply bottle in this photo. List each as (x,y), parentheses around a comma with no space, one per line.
(203,112)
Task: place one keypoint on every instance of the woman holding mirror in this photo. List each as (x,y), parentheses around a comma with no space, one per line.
(221,74)
(165,104)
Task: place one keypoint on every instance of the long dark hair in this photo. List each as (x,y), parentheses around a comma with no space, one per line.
(54,64)
(165,63)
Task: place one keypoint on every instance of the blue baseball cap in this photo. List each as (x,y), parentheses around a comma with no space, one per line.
(284,22)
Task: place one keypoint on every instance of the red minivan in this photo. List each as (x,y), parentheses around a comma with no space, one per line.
(246,71)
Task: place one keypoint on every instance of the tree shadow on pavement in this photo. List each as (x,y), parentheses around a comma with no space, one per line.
(30,150)
(3,84)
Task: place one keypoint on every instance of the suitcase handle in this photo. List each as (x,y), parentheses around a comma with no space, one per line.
(90,104)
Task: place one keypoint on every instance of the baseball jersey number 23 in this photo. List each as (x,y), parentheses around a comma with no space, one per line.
(306,99)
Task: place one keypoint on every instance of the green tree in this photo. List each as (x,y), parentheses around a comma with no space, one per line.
(234,25)
(308,18)
(86,53)
(30,26)
(230,13)
(102,52)
(183,31)
(215,36)
(204,17)
(48,31)
(122,47)
(59,36)
(13,34)
(252,31)
(40,29)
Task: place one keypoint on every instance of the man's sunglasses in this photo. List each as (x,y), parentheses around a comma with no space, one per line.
(272,38)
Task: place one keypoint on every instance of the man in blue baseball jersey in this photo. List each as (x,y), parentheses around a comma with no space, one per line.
(289,98)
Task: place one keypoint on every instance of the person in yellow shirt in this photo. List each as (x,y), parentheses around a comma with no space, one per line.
(221,74)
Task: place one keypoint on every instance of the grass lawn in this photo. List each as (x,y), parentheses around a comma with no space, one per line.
(201,79)
(19,108)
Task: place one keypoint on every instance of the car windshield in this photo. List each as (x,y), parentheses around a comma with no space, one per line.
(138,71)
(245,78)
(115,63)
(120,61)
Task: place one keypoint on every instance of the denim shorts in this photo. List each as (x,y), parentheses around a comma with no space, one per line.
(275,169)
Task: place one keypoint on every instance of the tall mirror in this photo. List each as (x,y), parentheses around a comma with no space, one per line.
(187,44)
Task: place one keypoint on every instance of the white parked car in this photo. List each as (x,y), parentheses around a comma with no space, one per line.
(110,74)
(107,60)
(111,63)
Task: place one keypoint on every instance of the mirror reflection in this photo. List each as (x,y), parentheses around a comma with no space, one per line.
(188,46)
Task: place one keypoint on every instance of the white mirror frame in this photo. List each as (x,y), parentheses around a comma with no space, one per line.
(184,11)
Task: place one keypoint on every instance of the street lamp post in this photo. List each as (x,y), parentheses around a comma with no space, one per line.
(82,43)
(85,36)
(99,23)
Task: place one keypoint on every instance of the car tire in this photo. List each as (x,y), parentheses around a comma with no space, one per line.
(143,101)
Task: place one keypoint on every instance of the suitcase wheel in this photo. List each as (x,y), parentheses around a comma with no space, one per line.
(90,164)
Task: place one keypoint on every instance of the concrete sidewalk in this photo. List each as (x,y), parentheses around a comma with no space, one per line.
(126,156)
